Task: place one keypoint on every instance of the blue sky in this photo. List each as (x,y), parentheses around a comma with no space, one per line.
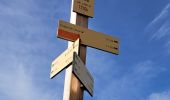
(28,45)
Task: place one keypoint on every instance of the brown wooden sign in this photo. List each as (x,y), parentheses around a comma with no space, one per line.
(82,73)
(64,59)
(88,37)
(85,7)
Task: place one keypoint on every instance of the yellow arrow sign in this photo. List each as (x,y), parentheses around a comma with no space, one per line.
(88,37)
(82,73)
(64,59)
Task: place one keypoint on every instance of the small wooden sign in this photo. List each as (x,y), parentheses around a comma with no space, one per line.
(82,73)
(64,59)
(85,7)
(88,37)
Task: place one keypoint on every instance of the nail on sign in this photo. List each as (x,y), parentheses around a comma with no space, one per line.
(85,7)
(88,37)
(64,59)
(82,73)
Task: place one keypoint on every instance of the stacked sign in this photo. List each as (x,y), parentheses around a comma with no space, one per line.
(80,35)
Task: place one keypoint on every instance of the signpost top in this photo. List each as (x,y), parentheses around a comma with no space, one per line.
(84,7)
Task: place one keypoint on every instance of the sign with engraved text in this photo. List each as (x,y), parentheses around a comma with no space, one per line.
(88,37)
(64,59)
(85,7)
(82,73)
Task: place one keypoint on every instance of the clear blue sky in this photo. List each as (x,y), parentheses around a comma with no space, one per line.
(28,45)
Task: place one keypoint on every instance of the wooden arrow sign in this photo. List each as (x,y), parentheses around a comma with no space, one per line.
(64,59)
(82,73)
(88,37)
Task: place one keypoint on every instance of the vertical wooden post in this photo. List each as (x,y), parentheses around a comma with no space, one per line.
(72,87)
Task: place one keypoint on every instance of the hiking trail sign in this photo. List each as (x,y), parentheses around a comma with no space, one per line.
(103,42)
(73,59)
(64,59)
(82,73)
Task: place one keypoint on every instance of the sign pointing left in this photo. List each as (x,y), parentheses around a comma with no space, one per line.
(64,59)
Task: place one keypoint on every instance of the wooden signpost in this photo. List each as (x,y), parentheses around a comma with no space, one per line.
(77,77)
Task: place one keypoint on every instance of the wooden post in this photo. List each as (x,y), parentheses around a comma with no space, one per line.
(73,89)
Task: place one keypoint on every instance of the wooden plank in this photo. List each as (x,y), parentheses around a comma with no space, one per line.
(88,37)
(64,59)
(82,73)
(85,7)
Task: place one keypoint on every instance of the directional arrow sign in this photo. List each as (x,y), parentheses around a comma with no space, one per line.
(85,7)
(88,37)
(82,73)
(64,59)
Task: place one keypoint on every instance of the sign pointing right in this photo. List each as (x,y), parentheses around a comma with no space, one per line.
(88,37)
(82,73)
